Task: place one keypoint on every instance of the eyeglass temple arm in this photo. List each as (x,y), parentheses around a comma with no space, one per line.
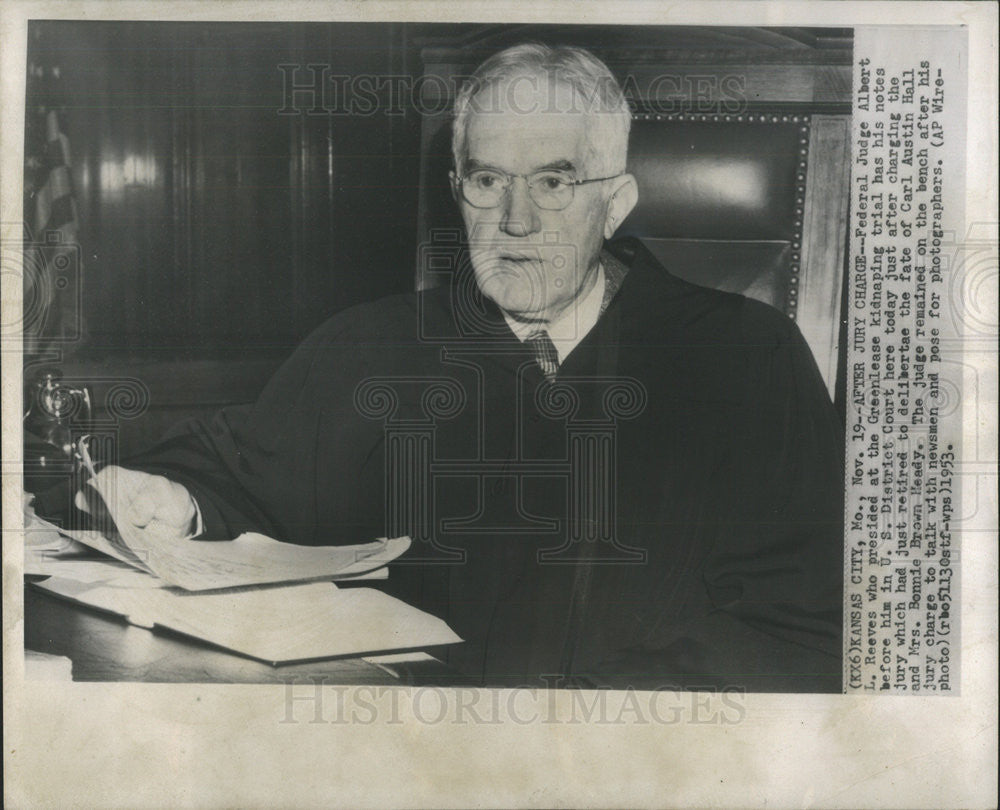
(597,179)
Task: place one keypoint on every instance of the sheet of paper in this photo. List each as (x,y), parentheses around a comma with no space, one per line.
(72,539)
(40,536)
(45,667)
(136,603)
(250,559)
(274,624)
(385,662)
(114,572)
(309,621)
(92,572)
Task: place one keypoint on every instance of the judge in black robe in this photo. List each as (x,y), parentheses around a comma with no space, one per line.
(698,543)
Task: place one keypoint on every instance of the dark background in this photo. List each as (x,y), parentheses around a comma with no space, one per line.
(216,233)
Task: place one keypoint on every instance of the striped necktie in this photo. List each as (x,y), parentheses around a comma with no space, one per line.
(545,353)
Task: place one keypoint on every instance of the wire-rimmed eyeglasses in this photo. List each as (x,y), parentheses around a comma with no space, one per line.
(548,189)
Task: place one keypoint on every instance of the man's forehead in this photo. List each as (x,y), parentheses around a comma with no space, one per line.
(540,123)
(528,92)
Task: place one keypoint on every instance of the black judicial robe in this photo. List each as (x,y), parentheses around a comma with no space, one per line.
(722,478)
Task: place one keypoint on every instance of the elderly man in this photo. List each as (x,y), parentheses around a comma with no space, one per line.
(704,548)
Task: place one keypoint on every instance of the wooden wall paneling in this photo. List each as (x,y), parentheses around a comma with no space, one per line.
(297,167)
(179,171)
(210,222)
(243,298)
(437,207)
(119,122)
(148,204)
(375,132)
(324,208)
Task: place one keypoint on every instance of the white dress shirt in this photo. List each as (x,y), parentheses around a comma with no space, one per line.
(571,326)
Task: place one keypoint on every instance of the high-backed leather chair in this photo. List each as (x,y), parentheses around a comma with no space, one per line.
(753,204)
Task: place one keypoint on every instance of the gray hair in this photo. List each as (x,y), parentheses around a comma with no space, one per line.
(589,77)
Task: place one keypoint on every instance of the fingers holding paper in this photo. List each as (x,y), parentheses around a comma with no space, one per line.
(149,502)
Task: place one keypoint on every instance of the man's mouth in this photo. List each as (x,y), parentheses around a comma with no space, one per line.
(517,257)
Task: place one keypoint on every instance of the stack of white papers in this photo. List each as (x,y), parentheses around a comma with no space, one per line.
(277,625)
(253,595)
(194,565)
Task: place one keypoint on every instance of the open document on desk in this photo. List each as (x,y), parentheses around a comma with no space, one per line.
(277,624)
(252,595)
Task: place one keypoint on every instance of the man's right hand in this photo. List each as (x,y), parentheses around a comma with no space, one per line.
(147,501)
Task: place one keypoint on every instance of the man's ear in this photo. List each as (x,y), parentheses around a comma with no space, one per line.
(620,204)
(453,182)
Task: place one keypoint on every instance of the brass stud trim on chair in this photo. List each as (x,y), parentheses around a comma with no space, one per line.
(791,303)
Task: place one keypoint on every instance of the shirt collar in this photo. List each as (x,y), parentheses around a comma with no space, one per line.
(572,325)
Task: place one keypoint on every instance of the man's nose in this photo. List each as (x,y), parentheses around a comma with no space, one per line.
(520,215)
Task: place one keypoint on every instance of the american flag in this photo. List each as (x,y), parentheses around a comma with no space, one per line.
(51,254)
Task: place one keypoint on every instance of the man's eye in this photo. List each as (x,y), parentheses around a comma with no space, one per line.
(551,182)
(486,180)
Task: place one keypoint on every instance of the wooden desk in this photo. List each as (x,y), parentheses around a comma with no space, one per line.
(103,647)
